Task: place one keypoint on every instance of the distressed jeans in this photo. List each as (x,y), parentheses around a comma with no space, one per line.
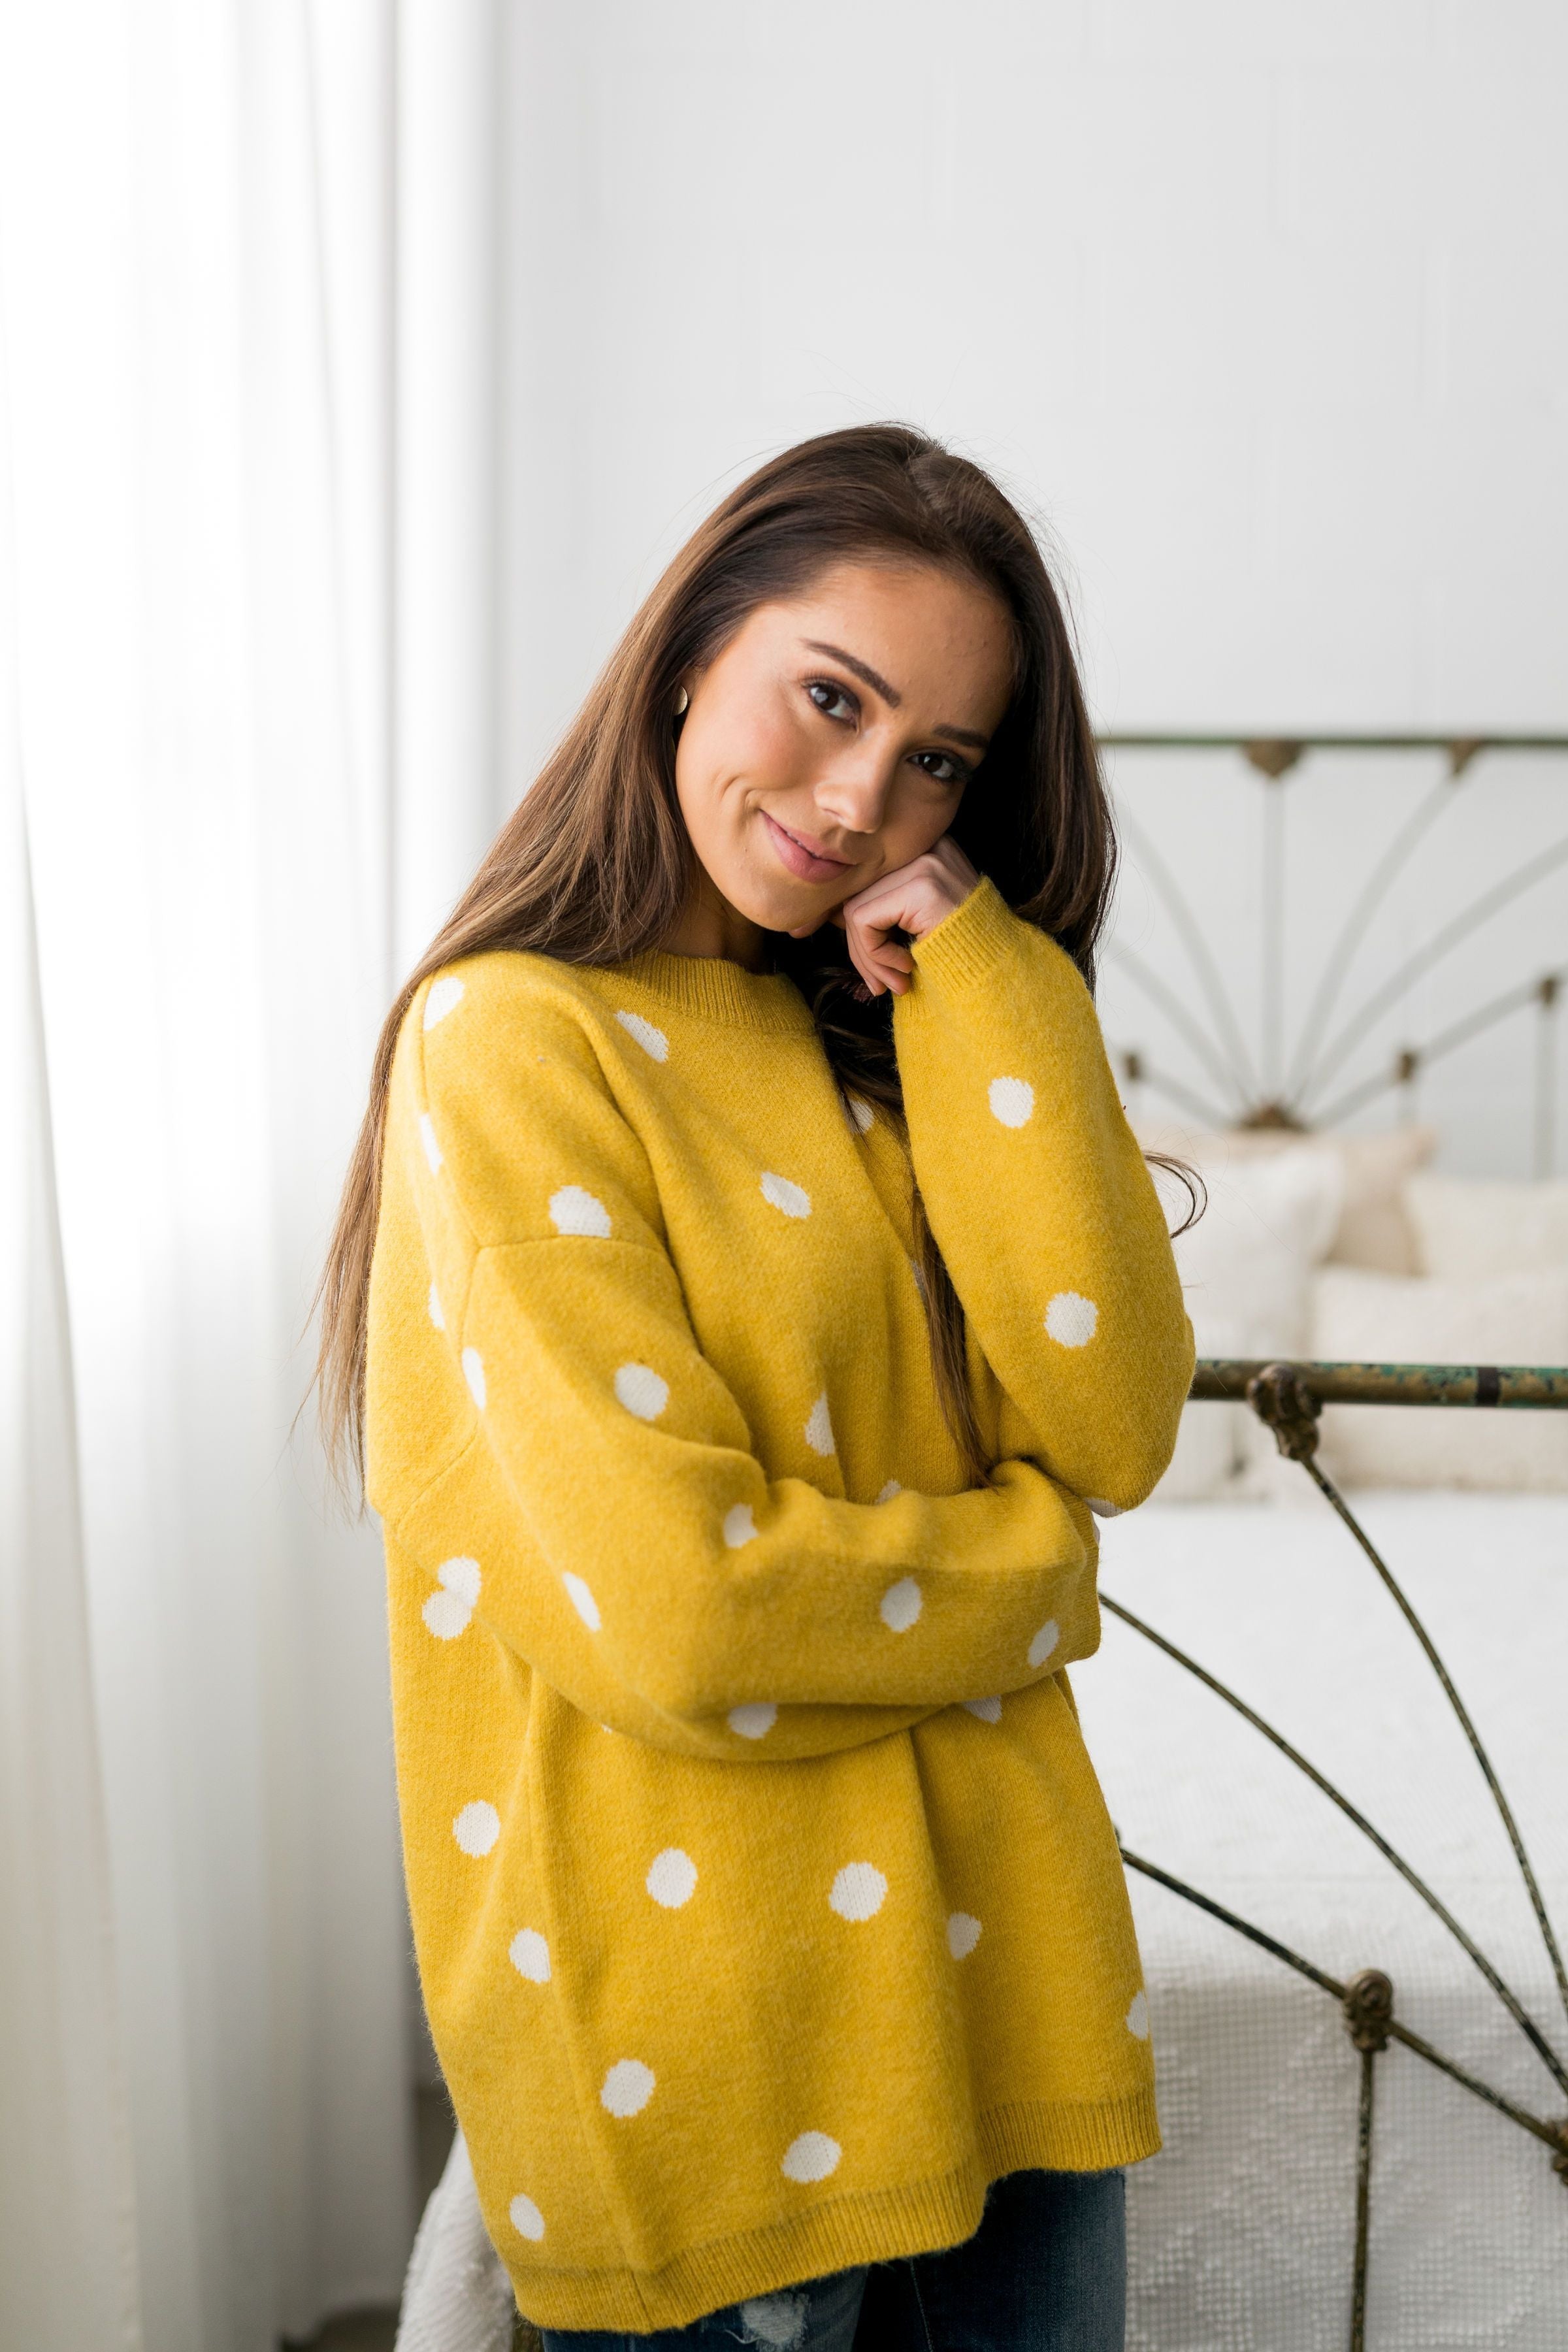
(1045,2272)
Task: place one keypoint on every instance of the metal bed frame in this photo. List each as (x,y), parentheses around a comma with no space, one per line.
(1288,1399)
(1297,1086)
(1286,1085)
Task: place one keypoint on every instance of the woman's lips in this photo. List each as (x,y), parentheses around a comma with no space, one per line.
(802,861)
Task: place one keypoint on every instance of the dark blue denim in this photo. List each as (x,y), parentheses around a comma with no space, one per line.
(1045,2272)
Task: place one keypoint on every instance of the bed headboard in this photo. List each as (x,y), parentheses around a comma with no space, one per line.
(1314,930)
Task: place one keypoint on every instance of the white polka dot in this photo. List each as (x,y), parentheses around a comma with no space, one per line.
(989,1710)
(1071,1319)
(530,1955)
(1012,1102)
(573,1210)
(627,2088)
(641,1390)
(890,1490)
(671,1878)
(819,1426)
(526,2218)
(1101,1509)
(754,1720)
(962,1933)
(445,1616)
(448,1608)
(1138,2016)
(652,1041)
(460,1576)
(1045,1642)
(862,1118)
(474,1373)
(581,1599)
(858,1892)
(811,2156)
(476,1827)
(739,1525)
(443,996)
(790,1198)
(434,1303)
(901,1605)
(427,1138)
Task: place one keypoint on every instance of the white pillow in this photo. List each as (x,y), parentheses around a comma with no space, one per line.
(1515,1318)
(1375,1227)
(1246,1269)
(1467,1231)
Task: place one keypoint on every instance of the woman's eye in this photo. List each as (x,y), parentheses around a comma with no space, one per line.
(940,768)
(831,699)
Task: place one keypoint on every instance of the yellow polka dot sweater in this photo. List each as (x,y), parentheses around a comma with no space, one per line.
(765,1901)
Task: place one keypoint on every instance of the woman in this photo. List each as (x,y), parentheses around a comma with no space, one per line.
(766,1290)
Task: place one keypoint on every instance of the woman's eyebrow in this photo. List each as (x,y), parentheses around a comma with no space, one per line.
(891,696)
(862,670)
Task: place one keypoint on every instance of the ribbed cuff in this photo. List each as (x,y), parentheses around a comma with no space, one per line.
(968,944)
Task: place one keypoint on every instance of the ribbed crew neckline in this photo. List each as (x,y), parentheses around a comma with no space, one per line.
(711,987)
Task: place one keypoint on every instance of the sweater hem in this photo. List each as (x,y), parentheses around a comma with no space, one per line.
(876,2226)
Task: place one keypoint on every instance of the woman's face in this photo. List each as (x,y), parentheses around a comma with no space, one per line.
(830,742)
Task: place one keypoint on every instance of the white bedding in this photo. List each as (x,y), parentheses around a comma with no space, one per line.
(1242,2229)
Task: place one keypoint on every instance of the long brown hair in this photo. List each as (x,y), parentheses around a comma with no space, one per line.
(595,865)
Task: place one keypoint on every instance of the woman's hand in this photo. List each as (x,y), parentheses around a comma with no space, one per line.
(912,898)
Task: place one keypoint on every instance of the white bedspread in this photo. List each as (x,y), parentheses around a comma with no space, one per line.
(1242,2229)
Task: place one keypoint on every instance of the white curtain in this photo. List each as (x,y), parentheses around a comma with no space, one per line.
(247,667)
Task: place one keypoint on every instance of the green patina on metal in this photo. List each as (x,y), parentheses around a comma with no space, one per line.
(1539,1387)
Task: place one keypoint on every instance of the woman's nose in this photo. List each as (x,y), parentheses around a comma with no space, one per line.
(854,793)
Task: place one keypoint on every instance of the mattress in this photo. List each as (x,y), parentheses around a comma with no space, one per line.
(1242,2229)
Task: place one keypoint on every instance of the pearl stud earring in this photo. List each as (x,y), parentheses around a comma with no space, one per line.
(681,699)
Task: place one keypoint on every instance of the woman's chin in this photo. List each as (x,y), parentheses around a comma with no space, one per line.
(773,908)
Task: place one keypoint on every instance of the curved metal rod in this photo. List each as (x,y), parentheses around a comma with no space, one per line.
(1447,1041)
(1491,902)
(1272,941)
(1177,1012)
(1210,1113)
(1434,1903)
(1553,2134)
(1326,1488)
(1337,963)
(1196,946)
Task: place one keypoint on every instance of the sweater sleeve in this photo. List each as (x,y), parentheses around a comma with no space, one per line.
(1040,1202)
(598,1491)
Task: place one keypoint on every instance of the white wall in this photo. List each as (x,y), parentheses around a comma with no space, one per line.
(1263,307)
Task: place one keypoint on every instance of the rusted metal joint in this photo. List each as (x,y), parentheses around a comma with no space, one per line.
(1273,756)
(1284,1403)
(1369,2006)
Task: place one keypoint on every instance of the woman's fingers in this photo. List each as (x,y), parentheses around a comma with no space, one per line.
(881,962)
(914,900)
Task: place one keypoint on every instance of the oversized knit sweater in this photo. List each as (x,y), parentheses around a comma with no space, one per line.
(765,1902)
